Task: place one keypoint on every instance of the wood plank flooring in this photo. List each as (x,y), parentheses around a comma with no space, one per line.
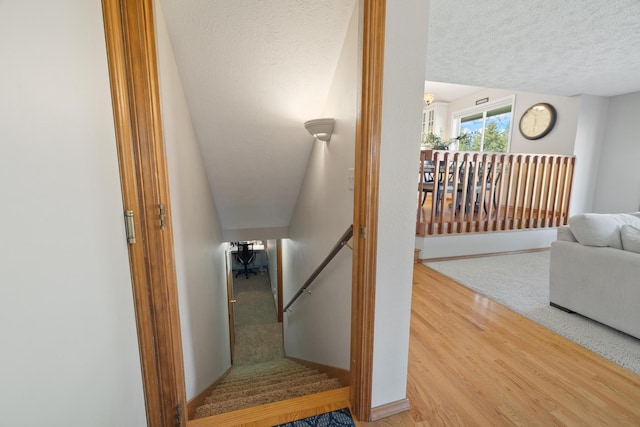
(473,362)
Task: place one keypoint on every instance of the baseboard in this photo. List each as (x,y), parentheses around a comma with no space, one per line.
(198,400)
(452,258)
(566,310)
(342,375)
(384,411)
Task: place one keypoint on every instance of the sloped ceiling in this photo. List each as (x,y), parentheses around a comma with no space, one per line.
(254,71)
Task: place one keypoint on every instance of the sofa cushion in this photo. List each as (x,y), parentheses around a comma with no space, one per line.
(592,229)
(630,237)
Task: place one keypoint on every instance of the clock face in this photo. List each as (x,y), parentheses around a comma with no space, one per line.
(538,121)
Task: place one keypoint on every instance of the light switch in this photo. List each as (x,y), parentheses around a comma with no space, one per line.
(350,178)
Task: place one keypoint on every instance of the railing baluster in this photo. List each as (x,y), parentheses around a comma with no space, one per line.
(520,180)
(541,180)
(469,207)
(436,180)
(562,190)
(487,192)
(464,209)
(491,192)
(532,194)
(497,224)
(508,223)
(550,192)
(455,179)
(419,211)
(568,179)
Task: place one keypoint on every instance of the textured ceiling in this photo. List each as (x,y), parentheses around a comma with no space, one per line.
(255,70)
(567,47)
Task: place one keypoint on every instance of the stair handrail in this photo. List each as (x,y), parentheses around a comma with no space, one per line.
(334,251)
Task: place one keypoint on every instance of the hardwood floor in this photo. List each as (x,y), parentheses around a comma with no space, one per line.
(475,362)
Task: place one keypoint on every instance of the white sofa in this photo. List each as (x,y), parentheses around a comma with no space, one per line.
(595,269)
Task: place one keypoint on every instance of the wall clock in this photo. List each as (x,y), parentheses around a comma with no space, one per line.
(538,121)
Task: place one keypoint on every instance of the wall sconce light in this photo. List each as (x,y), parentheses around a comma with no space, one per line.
(320,128)
(428,98)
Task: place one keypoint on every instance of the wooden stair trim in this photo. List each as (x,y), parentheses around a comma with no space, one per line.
(279,412)
(342,375)
(197,401)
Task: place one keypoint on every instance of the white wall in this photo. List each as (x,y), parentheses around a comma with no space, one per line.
(404,68)
(318,329)
(484,243)
(618,184)
(588,148)
(199,249)
(264,233)
(69,347)
(559,141)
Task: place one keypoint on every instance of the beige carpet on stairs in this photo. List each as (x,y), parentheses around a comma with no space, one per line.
(266,382)
(260,373)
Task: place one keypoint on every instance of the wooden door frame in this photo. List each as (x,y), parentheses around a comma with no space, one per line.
(131,53)
(230,302)
(365,209)
(131,56)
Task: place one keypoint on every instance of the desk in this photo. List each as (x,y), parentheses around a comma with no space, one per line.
(260,261)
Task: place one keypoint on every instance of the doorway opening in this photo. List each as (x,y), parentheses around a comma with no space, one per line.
(129,30)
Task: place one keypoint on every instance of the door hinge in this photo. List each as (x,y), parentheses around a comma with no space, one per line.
(363,231)
(163,217)
(129,227)
(179,415)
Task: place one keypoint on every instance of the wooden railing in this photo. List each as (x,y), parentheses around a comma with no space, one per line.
(344,239)
(470,192)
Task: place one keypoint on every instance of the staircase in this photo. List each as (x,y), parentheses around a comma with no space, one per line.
(262,383)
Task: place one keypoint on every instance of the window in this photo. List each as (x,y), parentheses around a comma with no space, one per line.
(487,128)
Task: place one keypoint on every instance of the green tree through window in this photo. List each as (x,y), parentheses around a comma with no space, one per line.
(486,130)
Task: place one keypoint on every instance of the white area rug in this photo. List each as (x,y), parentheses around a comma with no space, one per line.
(521,282)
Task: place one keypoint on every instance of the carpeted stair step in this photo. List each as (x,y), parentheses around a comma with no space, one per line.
(265,366)
(262,388)
(259,381)
(262,370)
(256,381)
(272,396)
(262,382)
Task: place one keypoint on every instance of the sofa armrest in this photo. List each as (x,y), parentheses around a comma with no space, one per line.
(565,234)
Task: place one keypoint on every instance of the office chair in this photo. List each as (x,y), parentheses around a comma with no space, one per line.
(245,256)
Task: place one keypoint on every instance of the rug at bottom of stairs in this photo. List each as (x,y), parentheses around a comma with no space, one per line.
(338,418)
(254,385)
